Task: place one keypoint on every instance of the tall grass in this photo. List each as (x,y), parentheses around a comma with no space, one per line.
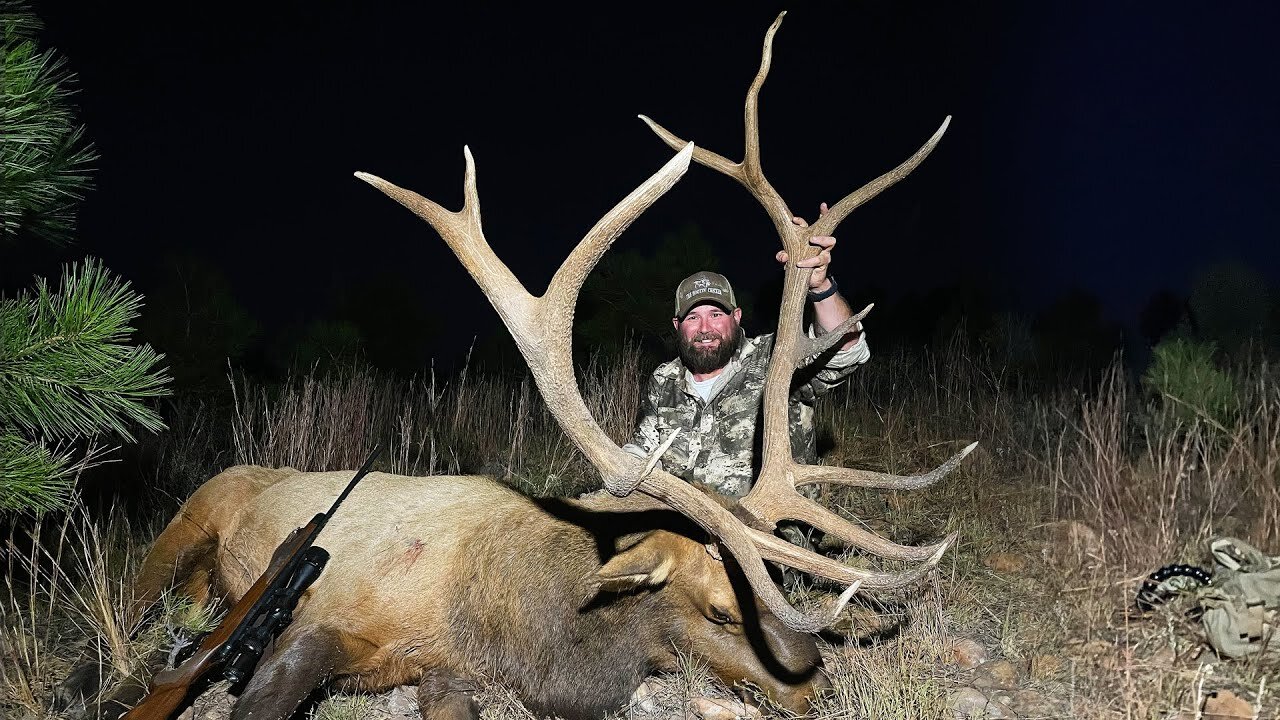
(494,424)
(1154,484)
(67,597)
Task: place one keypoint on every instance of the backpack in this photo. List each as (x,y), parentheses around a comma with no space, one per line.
(1242,606)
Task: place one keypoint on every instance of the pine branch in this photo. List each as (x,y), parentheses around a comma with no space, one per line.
(31,476)
(66,369)
(44,159)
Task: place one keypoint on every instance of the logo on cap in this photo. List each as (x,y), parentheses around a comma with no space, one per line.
(704,286)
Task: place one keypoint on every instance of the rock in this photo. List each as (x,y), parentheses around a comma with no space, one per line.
(968,653)
(1007,563)
(1033,703)
(1045,666)
(999,710)
(1226,705)
(969,703)
(1003,697)
(1070,542)
(996,675)
(645,697)
(718,709)
(402,702)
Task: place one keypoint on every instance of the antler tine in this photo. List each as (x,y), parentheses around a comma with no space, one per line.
(826,224)
(751,112)
(749,171)
(799,507)
(573,271)
(808,474)
(701,155)
(463,232)
(776,549)
(822,343)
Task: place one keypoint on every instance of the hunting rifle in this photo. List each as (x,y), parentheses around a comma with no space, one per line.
(261,614)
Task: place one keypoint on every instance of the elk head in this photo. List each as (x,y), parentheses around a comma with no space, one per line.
(542,329)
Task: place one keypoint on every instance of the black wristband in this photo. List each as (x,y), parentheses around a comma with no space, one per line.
(815,297)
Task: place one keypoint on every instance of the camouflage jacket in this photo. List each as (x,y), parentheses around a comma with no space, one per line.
(718,444)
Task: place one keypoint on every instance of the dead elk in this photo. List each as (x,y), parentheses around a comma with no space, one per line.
(452,582)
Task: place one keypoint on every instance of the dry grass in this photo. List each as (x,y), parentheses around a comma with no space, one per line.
(1104,455)
(67,601)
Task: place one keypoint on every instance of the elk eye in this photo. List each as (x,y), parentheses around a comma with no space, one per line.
(720,616)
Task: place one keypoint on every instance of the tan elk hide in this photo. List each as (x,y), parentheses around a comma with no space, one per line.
(450,582)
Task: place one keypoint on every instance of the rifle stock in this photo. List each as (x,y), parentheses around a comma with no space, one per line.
(169,688)
(270,599)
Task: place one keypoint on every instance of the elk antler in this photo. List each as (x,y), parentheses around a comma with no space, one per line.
(543,327)
(773,497)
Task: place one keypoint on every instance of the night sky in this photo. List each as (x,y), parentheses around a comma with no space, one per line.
(1115,147)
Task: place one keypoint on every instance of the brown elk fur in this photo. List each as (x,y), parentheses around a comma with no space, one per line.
(455,581)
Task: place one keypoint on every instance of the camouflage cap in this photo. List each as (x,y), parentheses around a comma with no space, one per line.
(704,286)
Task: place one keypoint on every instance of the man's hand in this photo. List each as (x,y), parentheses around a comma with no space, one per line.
(820,262)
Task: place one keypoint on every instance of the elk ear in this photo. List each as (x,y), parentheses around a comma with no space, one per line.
(647,564)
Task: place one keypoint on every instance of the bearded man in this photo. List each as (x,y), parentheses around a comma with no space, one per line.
(713,391)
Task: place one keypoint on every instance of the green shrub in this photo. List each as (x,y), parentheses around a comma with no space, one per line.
(1191,385)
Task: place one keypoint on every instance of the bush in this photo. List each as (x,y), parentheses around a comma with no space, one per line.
(1184,375)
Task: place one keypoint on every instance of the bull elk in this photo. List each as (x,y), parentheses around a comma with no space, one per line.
(448,582)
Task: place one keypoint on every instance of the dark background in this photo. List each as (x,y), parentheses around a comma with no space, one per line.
(1114,149)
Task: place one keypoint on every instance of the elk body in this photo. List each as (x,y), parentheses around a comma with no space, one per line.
(451,582)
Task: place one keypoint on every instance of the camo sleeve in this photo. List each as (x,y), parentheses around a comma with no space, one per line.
(821,377)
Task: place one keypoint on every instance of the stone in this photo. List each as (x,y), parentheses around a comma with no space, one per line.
(402,702)
(968,653)
(970,704)
(1007,563)
(999,710)
(645,698)
(1070,542)
(996,675)
(1036,704)
(1226,705)
(720,709)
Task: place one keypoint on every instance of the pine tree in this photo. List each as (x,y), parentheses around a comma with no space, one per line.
(68,373)
(44,160)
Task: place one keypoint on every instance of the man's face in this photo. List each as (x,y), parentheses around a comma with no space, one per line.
(708,337)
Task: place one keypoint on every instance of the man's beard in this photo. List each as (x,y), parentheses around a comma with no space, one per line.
(699,359)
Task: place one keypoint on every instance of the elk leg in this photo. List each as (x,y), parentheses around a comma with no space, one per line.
(181,556)
(304,659)
(444,695)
